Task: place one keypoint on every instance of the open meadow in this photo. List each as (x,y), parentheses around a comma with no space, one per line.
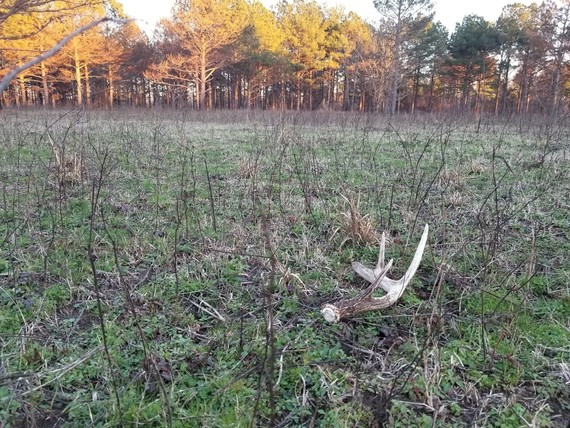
(167,268)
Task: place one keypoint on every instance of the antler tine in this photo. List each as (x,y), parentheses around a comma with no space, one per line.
(403,282)
(388,284)
(371,275)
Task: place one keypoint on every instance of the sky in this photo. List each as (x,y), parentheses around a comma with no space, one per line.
(449,12)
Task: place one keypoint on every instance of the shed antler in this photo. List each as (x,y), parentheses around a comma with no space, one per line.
(364,302)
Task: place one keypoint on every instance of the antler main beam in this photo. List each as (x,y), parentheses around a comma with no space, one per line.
(394,289)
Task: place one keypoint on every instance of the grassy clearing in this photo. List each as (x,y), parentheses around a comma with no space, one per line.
(167,269)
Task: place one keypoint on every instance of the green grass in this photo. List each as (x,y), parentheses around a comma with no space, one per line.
(481,336)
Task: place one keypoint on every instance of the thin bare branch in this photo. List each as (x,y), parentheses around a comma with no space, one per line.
(54,50)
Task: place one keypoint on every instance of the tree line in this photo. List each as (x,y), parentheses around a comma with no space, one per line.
(301,55)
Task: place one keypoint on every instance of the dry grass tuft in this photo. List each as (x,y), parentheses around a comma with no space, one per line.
(451,178)
(455,199)
(356,227)
(477,166)
(247,168)
(68,169)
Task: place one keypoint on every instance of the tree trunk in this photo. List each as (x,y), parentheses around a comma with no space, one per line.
(465,99)
(431,86)
(396,68)
(416,90)
(45,86)
(236,92)
(498,92)
(78,82)
(87,86)
(478,99)
(283,96)
(554,97)
(202,80)
(347,105)
(505,89)
(23,98)
(248,93)
(111,87)
(522,103)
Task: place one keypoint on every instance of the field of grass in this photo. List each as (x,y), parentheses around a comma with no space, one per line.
(162,268)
